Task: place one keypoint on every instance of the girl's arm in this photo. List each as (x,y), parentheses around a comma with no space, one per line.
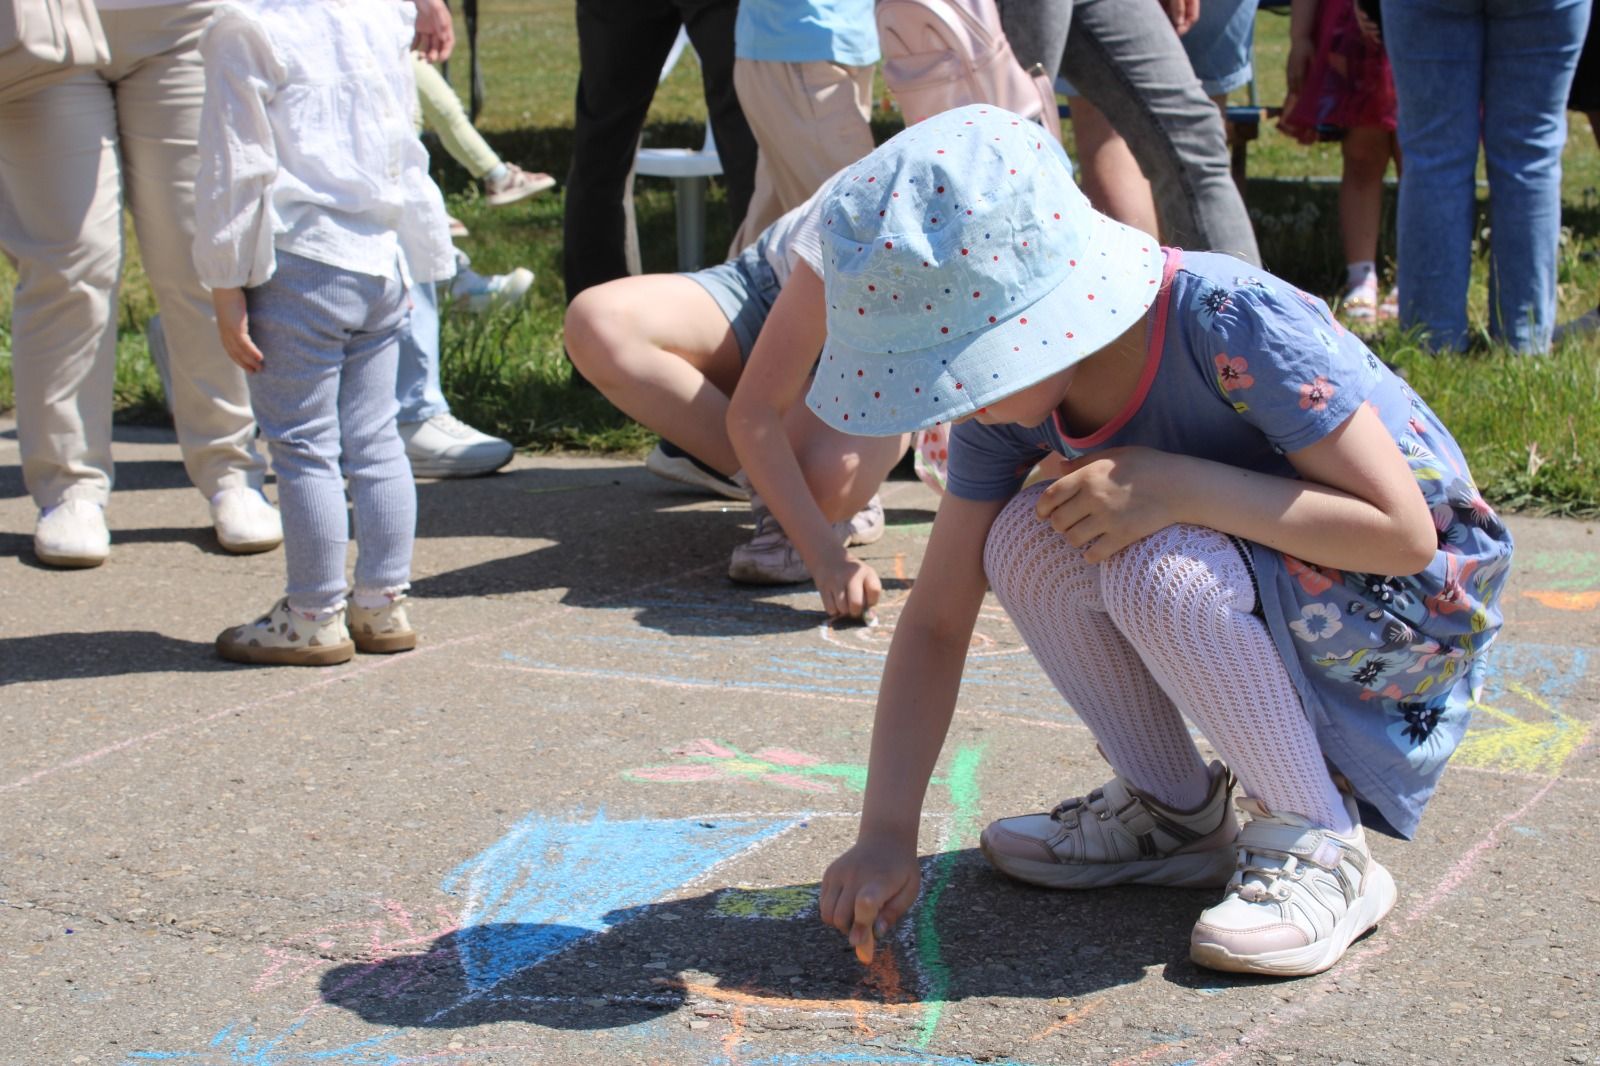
(868,888)
(1358,507)
(1302,41)
(773,382)
(238,154)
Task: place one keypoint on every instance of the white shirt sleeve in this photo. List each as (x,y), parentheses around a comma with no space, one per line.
(233,243)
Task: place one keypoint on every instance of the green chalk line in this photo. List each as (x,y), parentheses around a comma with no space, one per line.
(962,781)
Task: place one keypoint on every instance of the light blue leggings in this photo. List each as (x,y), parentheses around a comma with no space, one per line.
(324,398)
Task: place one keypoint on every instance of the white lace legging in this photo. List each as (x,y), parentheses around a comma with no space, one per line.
(1163,626)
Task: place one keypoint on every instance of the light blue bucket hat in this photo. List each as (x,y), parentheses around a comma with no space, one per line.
(962,264)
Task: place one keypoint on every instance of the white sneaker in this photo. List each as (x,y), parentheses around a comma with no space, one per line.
(866,525)
(770,557)
(445,446)
(672,463)
(1300,896)
(481,292)
(245,522)
(72,535)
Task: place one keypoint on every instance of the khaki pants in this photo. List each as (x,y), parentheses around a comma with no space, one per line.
(810,120)
(69,155)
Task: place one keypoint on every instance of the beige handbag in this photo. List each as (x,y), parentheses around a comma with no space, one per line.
(42,41)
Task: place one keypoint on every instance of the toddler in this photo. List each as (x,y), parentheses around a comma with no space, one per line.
(1260,528)
(315,213)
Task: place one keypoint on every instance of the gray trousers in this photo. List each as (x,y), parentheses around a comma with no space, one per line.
(1127,60)
(324,398)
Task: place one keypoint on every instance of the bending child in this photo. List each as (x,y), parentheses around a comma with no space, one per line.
(315,213)
(1261,528)
(670,350)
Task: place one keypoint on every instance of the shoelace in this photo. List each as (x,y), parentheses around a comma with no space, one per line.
(1264,884)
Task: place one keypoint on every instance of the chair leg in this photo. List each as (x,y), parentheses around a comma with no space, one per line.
(691,214)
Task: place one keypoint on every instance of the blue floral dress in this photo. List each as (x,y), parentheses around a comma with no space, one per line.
(1242,368)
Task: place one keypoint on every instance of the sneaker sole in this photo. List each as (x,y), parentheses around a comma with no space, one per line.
(384,643)
(686,473)
(869,536)
(1200,869)
(249,547)
(70,562)
(1314,958)
(455,468)
(753,575)
(253,655)
(500,199)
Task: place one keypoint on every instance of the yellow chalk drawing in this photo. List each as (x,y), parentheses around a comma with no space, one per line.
(1541,747)
(783,903)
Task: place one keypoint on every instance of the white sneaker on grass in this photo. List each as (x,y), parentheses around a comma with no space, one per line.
(480,292)
(72,535)
(1117,835)
(1299,897)
(445,446)
(245,522)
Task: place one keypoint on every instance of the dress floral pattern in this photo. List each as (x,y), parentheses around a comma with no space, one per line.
(1387,667)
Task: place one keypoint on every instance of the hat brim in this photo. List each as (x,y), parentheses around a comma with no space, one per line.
(868,393)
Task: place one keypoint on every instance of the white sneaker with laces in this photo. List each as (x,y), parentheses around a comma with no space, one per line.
(480,292)
(245,522)
(1299,897)
(445,446)
(72,535)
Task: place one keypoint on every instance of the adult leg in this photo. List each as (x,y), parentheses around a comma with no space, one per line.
(811,120)
(382,492)
(621,47)
(1436,50)
(1529,57)
(1183,597)
(1037,31)
(1128,60)
(710,26)
(61,225)
(159,83)
(660,348)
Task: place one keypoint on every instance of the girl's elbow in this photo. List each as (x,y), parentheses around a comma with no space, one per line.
(1419,543)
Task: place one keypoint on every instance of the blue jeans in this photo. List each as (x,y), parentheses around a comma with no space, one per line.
(417,383)
(1499,71)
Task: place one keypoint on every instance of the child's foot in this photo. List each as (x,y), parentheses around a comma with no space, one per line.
(770,557)
(286,637)
(1360,302)
(480,292)
(1116,836)
(515,184)
(1299,897)
(1389,309)
(382,630)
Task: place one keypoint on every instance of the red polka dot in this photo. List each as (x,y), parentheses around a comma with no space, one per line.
(872,288)
(861,310)
(976,294)
(940,189)
(991,318)
(871,180)
(932,221)
(894,296)
(997,259)
(1091,296)
(880,214)
(888,244)
(944,329)
(877,396)
(847,418)
(1013,170)
(958,384)
(963,251)
(894,196)
(1022,321)
(969,210)
(939,151)
(1015,348)
(1072,262)
(861,373)
(1058,216)
(1144,249)
(917,391)
(1069,334)
(1024,244)
(927,307)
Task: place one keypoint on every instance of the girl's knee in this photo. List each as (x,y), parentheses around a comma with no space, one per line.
(1020,545)
(594,330)
(1174,571)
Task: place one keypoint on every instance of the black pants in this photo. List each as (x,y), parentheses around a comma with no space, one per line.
(621,47)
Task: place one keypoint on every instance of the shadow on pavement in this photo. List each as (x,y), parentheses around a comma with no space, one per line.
(112,653)
(995,938)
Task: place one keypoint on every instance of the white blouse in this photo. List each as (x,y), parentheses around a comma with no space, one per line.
(308,144)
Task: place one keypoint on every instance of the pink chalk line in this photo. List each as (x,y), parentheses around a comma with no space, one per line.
(348,674)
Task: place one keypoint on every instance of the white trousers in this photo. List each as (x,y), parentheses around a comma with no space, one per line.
(70,156)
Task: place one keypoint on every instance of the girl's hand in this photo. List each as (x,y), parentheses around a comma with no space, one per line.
(435,33)
(233,322)
(1183,14)
(1368,28)
(849,587)
(1300,50)
(1110,499)
(867,890)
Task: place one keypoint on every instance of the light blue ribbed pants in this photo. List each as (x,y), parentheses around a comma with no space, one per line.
(324,398)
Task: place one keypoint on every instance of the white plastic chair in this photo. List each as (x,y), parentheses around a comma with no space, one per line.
(688,168)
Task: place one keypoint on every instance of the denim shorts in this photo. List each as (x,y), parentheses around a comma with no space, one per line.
(745,288)
(1219,46)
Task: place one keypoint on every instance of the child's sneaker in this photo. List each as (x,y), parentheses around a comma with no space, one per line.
(1389,309)
(670,462)
(770,557)
(285,637)
(515,184)
(866,525)
(1300,896)
(1117,836)
(1360,302)
(382,630)
(481,292)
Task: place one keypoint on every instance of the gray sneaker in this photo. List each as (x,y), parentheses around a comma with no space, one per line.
(866,525)
(1117,836)
(1299,897)
(770,557)
(445,446)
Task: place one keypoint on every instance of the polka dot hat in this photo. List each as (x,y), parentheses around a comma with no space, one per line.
(961,264)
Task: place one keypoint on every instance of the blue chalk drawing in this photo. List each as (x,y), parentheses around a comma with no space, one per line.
(544,886)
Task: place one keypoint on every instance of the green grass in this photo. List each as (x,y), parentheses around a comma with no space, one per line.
(1527,425)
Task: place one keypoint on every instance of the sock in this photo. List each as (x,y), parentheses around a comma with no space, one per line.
(1361,273)
(1053,596)
(316,612)
(1183,597)
(497,173)
(376,599)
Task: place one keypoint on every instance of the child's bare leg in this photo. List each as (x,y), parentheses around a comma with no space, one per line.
(1367,150)
(660,348)
(842,471)
(1109,174)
